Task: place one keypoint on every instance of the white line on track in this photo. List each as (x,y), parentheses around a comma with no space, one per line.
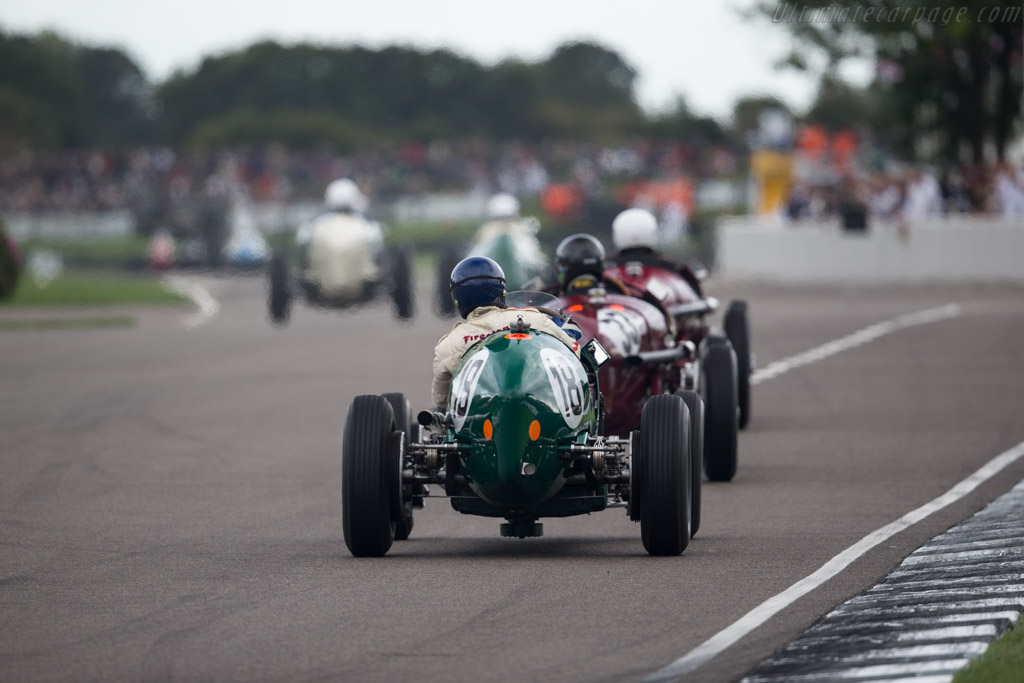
(206,305)
(770,607)
(858,338)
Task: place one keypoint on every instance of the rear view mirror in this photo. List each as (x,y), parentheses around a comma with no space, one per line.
(596,352)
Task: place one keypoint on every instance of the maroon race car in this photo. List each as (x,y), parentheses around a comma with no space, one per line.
(678,290)
(652,318)
(649,357)
(645,360)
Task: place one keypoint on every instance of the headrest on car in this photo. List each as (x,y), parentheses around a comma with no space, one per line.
(582,285)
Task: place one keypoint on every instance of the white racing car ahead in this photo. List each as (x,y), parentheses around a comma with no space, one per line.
(341,262)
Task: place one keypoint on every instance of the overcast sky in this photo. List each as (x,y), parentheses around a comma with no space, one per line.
(700,49)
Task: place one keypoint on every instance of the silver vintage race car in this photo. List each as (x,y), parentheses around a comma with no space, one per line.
(340,261)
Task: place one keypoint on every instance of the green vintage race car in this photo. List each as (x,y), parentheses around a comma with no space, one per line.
(513,245)
(521,439)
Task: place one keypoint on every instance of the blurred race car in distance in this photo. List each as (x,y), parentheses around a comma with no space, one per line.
(244,249)
(340,265)
(10,264)
(246,246)
(506,238)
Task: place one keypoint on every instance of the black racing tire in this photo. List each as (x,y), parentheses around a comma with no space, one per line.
(401,410)
(695,406)
(401,503)
(446,262)
(636,468)
(402,289)
(721,420)
(367,479)
(664,485)
(737,329)
(280,295)
(404,528)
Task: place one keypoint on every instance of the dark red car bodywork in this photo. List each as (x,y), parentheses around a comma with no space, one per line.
(675,291)
(626,326)
(635,322)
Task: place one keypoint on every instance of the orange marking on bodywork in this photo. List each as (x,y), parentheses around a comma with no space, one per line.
(535,430)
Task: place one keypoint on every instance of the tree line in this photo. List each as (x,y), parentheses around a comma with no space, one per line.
(948,79)
(55,94)
(941,92)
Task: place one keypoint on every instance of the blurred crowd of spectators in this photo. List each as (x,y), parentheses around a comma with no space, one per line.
(151,182)
(146,179)
(913,194)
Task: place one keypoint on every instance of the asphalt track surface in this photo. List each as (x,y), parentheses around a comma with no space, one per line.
(170,499)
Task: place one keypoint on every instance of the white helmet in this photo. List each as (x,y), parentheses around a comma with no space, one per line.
(635,228)
(502,205)
(343,194)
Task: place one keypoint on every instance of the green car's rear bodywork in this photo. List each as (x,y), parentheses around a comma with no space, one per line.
(518,401)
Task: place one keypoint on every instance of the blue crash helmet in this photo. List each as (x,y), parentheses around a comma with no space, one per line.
(477,281)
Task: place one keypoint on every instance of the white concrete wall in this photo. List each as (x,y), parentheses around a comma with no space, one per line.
(269,217)
(957,249)
(66,224)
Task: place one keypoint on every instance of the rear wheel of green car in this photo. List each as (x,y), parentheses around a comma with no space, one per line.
(401,508)
(367,477)
(663,487)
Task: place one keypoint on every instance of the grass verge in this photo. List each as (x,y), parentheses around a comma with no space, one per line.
(80,289)
(1002,662)
(102,250)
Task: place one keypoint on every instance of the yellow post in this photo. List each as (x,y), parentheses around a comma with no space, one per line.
(773,175)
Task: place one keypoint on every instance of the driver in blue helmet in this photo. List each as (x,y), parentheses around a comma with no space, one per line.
(478,289)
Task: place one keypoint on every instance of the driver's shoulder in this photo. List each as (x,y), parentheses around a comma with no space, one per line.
(482,313)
